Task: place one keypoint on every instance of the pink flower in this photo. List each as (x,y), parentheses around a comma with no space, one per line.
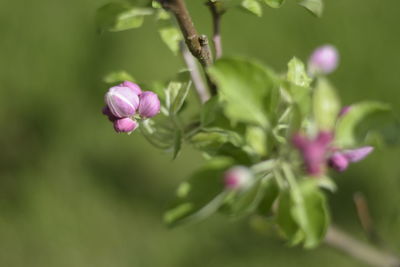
(339,161)
(122,101)
(135,88)
(313,151)
(149,104)
(323,60)
(125,125)
(106,111)
(237,177)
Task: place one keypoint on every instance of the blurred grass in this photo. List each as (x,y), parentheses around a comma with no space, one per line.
(74,193)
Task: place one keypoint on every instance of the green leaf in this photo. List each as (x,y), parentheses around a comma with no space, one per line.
(256,137)
(118,77)
(180,98)
(326,183)
(252,6)
(171,36)
(209,111)
(177,143)
(297,73)
(211,140)
(118,16)
(220,142)
(200,196)
(246,202)
(310,213)
(301,97)
(316,7)
(346,126)
(245,88)
(159,132)
(274,3)
(326,105)
(271,192)
(284,219)
(176,91)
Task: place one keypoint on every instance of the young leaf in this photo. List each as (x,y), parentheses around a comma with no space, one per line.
(326,105)
(346,126)
(118,77)
(171,36)
(274,3)
(177,143)
(256,137)
(271,192)
(176,91)
(316,7)
(310,213)
(245,87)
(252,6)
(284,218)
(244,203)
(209,111)
(180,98)
(200,196)
(159,132)
(211,140)
(118,16)
(297,73)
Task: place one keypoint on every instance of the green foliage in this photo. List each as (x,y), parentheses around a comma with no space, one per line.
(249,123)
(274,3)
(346,126)
(326,105)
(200,196)
(297,73)
(252,6)
(316,7)
(118,77)
(245,87)
(302,214)
(120,16)
(171,37)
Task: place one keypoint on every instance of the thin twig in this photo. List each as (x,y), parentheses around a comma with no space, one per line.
(216,15)
(365,218)
(197,44)
(359,250)
(192,38)
(195,74)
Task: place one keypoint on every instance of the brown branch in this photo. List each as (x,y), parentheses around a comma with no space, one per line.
(216,14)
(197,44)
(359,250)
(192,38)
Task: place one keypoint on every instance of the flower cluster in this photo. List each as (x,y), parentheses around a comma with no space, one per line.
(125,103)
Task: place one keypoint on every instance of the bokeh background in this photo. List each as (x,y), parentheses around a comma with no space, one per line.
(74,193)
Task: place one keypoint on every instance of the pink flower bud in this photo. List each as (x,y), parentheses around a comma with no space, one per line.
(344,111)
(135,88)
(338,162)
(106,111)
(313,151)
(355,155)
(149,104)
(237,177)
(122,101)
(125,125)
(323,60)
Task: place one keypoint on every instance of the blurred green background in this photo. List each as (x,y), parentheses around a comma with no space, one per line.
(74,193)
